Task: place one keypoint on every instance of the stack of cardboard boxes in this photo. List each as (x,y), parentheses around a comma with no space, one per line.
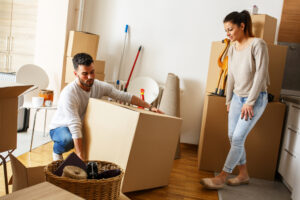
(81,42)
(263,143)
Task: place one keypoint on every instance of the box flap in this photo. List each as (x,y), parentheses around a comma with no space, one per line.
(8,123)
(142,111)
(19,174)
(83,32)
(35,175)
(11,89)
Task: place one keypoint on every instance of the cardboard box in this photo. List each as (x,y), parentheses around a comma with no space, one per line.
(99,69)
(99,66)
(277,57)
(82,42)
(25,176)
(69,75)
(264,26)
(45,190)
(100,77)
(143,143)
(262,144)
(9,93)
(213,68)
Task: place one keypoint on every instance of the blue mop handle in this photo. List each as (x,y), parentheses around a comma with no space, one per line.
(122,55)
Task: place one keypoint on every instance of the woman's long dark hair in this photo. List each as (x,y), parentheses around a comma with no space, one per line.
(241,17)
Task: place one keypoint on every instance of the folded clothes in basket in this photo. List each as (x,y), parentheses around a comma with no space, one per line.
(101,172)
(92,170)
(109,173)
(73,160)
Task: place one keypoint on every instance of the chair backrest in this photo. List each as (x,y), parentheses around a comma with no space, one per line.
(35,75)
(149,85)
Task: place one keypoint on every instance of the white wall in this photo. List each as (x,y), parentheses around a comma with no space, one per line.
(50,46)
(176,36)
(51,36)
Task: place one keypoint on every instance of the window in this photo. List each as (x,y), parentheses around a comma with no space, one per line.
(18,19)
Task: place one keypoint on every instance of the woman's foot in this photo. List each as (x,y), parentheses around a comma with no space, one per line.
(214,183)
(238,180)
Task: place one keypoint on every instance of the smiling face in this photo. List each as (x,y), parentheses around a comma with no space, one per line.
(233,31)
(86,76)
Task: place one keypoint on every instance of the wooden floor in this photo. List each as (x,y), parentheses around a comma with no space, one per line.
(184,180)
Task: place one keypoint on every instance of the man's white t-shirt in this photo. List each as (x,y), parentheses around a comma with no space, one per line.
(73,102)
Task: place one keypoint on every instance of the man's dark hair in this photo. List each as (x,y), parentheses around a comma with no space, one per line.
(82,59)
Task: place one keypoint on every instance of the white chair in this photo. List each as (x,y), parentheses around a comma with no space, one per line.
(34,75)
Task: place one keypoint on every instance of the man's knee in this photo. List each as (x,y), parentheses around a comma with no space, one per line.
(67,142)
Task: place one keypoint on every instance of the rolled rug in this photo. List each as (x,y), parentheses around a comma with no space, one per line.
(170,101)
(74,172)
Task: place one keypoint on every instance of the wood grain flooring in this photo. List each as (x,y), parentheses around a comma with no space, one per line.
(183,185)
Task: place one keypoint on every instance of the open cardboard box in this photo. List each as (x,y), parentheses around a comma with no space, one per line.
(9,93)
(143,143)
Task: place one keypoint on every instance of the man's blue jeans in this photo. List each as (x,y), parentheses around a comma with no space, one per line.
(238,129)
(62,139)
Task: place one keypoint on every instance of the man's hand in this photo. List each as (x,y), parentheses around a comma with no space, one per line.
(247,111)
(228,107)
(78,148)
(139,102)
(153,109)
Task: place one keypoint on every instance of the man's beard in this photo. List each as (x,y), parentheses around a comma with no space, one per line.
(89,83)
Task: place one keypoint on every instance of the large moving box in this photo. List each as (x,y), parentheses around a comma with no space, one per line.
(277,56)
(262,144)
(143,143)
(82,42)
(264,26)
(9,93)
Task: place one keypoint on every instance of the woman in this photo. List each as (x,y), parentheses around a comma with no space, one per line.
(246,97)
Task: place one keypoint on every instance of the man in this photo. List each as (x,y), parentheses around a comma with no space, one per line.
(66,126)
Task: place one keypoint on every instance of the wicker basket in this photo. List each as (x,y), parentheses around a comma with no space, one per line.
(104,189)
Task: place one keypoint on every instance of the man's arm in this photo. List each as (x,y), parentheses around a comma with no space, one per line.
(139,102)
(126,97)
(78,148)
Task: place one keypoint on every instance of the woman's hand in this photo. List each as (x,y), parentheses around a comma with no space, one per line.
(228,107)
(247,111)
